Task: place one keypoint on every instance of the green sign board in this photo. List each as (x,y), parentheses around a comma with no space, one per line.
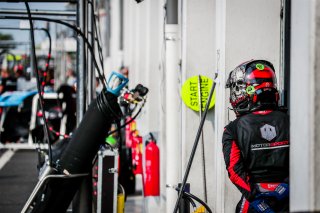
(190,92)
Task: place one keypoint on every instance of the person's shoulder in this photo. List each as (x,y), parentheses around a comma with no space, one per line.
(232,124)
(280,113)
(272,114)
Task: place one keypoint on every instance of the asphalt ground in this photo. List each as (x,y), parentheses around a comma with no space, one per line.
(17,180)
(134,204)
(2,151)
(19,175)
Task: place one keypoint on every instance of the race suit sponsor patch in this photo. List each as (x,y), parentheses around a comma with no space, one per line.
(268,132)
(273,145)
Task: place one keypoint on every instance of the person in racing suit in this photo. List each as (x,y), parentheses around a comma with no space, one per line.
(256,143)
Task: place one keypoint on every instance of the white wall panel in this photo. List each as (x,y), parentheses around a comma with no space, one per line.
(239,30)
(198,58)
(143,49)
(304,107)
(252,31)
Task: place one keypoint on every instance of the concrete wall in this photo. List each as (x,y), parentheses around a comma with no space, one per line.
(213,35)
(304,105)
(316,157)
(252,31)
(144,55)
(114,59)
(198,58)
(218,35)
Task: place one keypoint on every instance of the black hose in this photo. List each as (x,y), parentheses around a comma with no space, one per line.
(198,200)
(101,76)
(189,199)
(101,102)
(97,38)
(128,122)
(194,148)
(104,106)
(45,126)
(50,48)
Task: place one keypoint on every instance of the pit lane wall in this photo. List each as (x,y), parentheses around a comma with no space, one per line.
(304,107)
(210,35)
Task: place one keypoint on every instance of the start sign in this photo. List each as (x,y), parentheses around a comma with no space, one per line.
(190,92)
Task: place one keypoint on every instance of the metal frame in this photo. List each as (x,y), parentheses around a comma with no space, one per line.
(43,1)
(16,146)
(39,12)
(14,42)
(81,203)
(286,51)
(84,89)
(82,58)
(34,110)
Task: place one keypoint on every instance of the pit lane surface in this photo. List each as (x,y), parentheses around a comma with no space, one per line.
(18,176)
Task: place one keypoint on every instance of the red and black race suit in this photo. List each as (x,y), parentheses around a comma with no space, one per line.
(256,150)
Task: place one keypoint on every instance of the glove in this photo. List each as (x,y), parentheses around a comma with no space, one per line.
(260,206)
(280,193)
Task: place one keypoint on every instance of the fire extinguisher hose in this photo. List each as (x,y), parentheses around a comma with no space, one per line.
(187,194)
(190,201)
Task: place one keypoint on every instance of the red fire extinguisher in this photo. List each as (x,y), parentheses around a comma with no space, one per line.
(130,129)
(137,153)
(152,169)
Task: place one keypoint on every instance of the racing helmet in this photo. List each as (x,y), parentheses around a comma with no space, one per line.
(253,86)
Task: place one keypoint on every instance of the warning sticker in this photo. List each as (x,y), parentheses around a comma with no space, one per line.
(190,93)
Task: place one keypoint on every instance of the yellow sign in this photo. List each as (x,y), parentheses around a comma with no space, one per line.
(12,58)
(190,93)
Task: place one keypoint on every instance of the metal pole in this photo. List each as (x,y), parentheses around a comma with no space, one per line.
(51,1)
(173,108)
(81,74)
(202,144)
(39,12)
(172,12)
(82,201)
(31,61)
(286,52)
(14,43)
(194,148)
(91,70)
(184,206)
(93,36)
(86,50)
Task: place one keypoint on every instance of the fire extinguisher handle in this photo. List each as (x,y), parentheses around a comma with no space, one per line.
(152,137)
